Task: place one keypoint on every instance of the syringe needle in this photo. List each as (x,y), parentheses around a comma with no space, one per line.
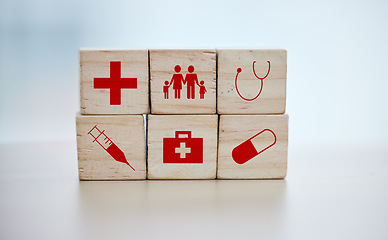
(130,166)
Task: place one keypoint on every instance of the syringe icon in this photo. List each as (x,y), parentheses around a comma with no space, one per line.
(107,144)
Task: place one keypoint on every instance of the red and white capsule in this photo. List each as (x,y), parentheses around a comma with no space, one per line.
(254,146)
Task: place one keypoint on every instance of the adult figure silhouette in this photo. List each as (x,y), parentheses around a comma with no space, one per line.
(176,81)
(190,80)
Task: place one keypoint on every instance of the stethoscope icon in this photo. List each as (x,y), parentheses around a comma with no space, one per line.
(261,81)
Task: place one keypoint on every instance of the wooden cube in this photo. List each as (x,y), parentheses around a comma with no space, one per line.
(253,147)
(251,81)
(114,81)
(182,146)
(111,147)
(183,81)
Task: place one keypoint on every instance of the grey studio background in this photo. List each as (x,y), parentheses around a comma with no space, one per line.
(336,89)
(336,98)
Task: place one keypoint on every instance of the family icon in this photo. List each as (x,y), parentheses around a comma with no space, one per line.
(190,80)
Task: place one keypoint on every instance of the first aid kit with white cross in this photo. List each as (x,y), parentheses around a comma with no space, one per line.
(183,148)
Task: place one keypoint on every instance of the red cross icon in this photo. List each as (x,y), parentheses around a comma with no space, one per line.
(115,83)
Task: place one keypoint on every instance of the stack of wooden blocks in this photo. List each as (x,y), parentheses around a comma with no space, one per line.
(209,114)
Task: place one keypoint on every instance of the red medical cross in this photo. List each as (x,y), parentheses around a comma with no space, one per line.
(115,83)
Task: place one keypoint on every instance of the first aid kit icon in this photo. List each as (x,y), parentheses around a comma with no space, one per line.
(183,148)
(254,146)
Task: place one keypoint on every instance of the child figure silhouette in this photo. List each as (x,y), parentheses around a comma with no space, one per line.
(165,89)
(202,90)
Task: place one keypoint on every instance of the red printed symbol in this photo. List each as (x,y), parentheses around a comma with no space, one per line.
(261,81)
(190,80)
(107,144)
(115,83)
(183,150)
(248,150)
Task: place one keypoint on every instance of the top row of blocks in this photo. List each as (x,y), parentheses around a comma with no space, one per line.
(183,81)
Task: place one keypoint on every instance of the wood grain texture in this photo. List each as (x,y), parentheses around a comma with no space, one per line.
(236,129)
(272,99)
(164,126)
(96,64)
(162,63)
(127,132)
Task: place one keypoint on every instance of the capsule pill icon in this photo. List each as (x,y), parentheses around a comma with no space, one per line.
(254,146)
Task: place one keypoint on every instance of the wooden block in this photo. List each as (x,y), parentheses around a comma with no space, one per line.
(182,146)
(114,81)
(248,91)
(111,147)
(183,81)
(253,147)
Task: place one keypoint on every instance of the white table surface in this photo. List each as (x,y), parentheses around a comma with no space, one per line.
(329,193)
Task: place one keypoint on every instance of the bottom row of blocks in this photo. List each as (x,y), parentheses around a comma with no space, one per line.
(113,147)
